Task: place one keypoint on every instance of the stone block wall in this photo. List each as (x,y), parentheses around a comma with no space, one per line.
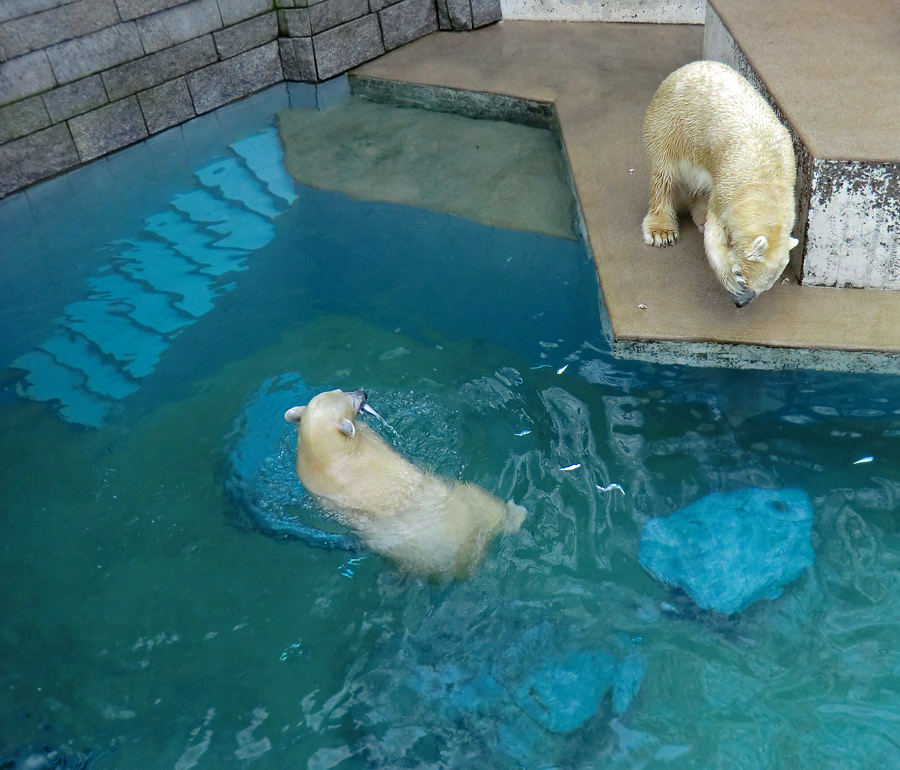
(323,38)
(467,14)
(82,78)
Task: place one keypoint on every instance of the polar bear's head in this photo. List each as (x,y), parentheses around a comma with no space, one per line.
(328,418)
(755,266)
(754,242)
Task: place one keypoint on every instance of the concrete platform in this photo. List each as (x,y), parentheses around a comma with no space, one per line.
(663,305)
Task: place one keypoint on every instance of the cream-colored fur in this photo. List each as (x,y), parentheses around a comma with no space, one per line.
(427,525)
(716,148)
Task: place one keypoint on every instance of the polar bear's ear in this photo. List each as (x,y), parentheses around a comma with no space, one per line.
(793,242)
(346,427)
(758,249)
(294,414)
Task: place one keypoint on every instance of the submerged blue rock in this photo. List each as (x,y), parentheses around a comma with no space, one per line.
(728,550)
(260,478)
(562,688)
(487,682)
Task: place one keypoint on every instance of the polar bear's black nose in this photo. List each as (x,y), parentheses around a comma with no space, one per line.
(359,399)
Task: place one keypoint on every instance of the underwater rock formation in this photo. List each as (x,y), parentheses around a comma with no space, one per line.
(499,687)
(260,478)
(561,688)
(49,758)
(728,550)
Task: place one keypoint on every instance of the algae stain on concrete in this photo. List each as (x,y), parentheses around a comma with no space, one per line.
(493,172)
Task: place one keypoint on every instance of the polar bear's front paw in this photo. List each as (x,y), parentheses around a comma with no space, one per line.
(658,233)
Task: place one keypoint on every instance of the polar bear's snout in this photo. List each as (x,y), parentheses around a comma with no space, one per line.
(360,401)
(358,398)
(743,299)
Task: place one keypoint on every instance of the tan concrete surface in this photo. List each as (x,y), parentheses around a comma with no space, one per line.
(427,159)
(601,78)
(832,67)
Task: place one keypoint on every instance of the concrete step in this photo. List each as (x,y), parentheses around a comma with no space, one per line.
(48,380)
(833,77)
(137,350)
(243,229)
(236,183)
(263,155)
(152,310)
(76,353)
(189,241)
(166,271)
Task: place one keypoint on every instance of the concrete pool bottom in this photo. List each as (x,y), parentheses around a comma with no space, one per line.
(595,81)
(498,173)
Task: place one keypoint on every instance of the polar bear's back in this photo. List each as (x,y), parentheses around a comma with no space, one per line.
(705,113)
(444,530)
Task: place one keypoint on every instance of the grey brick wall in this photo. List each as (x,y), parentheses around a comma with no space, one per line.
(467,14)
(82,78)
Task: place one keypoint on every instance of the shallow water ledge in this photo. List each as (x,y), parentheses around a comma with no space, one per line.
(663,305)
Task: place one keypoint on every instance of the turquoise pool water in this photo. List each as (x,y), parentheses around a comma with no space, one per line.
(141,622)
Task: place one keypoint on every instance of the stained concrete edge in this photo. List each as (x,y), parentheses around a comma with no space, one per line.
(689,321)
(711,354)
(469,104)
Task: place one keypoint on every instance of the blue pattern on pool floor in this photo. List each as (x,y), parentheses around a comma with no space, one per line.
(154,288)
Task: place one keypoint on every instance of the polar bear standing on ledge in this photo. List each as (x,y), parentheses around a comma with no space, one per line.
(427,525)
(716,148)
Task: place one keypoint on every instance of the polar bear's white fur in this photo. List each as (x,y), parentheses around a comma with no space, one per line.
(426,524)
(716,147)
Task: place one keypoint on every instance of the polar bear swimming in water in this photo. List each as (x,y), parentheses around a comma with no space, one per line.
(717,148)
(427,525)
